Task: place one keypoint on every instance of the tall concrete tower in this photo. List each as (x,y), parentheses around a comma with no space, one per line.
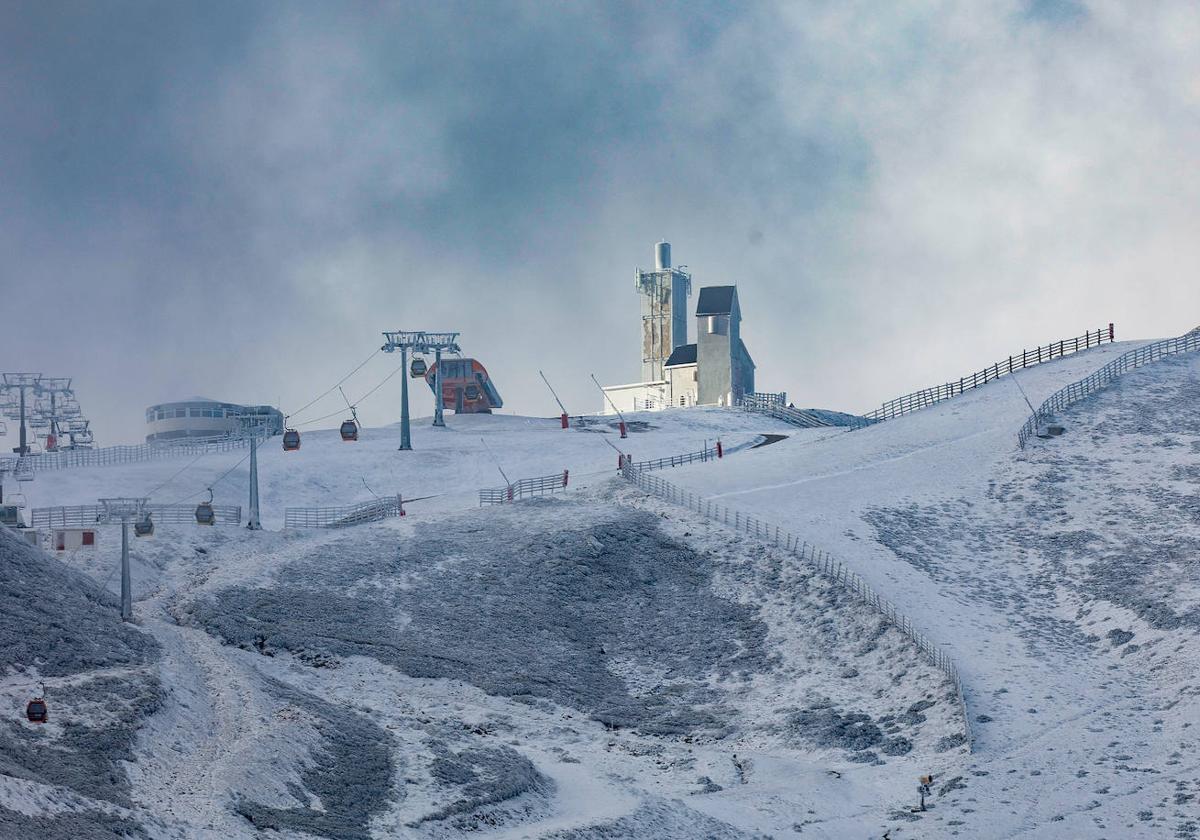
(664,292)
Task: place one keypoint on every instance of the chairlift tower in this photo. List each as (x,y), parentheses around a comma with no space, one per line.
(123,509)
(21,382)
(420,342)
(252,426)
(58,389)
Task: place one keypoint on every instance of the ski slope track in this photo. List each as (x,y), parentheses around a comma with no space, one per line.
(602,664)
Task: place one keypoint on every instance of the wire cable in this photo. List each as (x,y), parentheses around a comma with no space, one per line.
(176,475)
(355,404)
(335,385)
(213,484)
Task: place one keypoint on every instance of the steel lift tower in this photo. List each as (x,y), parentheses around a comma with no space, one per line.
(21,382)
(420,343)
(252,427)
(122,510)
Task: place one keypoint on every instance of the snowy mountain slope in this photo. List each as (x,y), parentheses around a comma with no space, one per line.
(1062,578)
(586,665)
(65,778)
(602,664)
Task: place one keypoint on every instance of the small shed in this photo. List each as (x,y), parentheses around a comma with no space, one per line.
(72,539)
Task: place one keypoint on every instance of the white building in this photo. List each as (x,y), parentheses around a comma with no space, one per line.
(716,370)
(200,417)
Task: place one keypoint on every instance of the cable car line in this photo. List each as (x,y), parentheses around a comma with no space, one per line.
(356,402)
(335,385)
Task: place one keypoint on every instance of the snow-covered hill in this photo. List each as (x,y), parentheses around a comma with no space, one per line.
(601,664)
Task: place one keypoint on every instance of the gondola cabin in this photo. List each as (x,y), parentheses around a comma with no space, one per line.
(291,440)
(418,368)
(205,515)
(466,386)
(144,527)
(36,711)
(349,430)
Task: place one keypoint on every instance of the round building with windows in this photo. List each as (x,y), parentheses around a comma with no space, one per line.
(200,417)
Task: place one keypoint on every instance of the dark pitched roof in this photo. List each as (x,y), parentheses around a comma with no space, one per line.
(716,300)
(684,354)
(747,353)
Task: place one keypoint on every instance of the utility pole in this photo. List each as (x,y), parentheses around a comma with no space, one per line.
(124,509)
(420,343)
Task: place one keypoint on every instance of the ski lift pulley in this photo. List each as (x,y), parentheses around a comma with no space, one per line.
(418,367)
(205,515)
(291,440)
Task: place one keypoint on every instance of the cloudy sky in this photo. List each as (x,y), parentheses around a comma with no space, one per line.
(234,199)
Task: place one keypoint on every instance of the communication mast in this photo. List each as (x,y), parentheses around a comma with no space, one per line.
(664,291)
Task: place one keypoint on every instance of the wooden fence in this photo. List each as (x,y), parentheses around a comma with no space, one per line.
(344,516)
(821,561)
(1027,358)
(109,455)
(81,516)
(524,488)
(710,454)
(775,405)
(1089,385)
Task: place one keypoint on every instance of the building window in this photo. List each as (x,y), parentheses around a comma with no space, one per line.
(718,325)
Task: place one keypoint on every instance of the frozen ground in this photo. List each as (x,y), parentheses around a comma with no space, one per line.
(602,665)
(1064,579)
(450,463)
(587,665)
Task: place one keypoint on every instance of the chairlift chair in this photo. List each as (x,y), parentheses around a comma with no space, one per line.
(205,515)
(418,368)
(291,440)
(349,430)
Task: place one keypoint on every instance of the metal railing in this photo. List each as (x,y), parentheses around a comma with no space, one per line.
(345,516)
(82,516)
(1027,358)
(710,454)
(821,561)
(109,455)
(525,487)
(1089,385)
(775,405)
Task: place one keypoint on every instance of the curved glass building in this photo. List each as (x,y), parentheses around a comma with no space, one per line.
(200,417)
